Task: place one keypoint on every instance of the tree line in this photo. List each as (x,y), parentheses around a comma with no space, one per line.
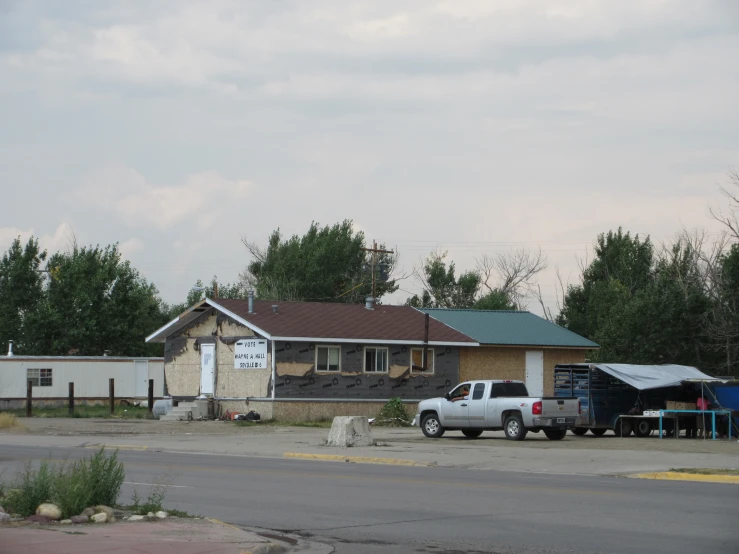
(643,303)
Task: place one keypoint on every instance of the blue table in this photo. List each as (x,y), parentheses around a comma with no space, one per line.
(678,412)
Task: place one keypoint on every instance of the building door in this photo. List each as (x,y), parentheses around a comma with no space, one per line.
(207,368)
(535,372)
(141,370)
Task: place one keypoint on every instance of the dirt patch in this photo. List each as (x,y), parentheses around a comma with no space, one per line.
(706,471)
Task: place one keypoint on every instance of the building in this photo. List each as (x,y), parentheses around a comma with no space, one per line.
(310,360)
(51,376)
(515,345)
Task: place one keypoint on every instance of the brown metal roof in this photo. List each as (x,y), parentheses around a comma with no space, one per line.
(319,320)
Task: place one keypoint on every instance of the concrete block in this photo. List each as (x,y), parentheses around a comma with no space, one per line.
(350,431)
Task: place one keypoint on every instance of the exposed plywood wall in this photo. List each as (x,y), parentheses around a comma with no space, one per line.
(492,363)
(182,367)
(239,383)
(317,411)
(489,362)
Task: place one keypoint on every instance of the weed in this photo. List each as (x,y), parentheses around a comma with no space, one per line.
(393,414)
(153,501)
(8,421)
(32,487)
(180,513)
(106,475)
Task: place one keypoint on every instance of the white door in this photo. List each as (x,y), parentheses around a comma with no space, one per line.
(535,372)
(207,368)
(141,370)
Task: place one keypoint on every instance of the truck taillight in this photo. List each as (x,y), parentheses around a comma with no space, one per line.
(536,408)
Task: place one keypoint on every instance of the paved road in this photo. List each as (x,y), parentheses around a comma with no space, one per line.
(372,509)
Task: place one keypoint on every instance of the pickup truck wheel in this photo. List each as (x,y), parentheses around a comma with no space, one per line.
(598,431)
(555,434)
(514,429)
(431,426)
(579,431)
(472,433)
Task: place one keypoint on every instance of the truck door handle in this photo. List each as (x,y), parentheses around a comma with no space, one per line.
(463,404)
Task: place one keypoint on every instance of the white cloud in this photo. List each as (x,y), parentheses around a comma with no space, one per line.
(129,195)
(131,246)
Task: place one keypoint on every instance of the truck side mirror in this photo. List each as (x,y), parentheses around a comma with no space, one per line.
(447,396)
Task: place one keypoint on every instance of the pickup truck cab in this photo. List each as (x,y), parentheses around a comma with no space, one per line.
(477,406)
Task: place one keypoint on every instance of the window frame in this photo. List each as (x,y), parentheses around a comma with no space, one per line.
(327,346)
(430,355)
(39,377)
(387,359)
(476,388)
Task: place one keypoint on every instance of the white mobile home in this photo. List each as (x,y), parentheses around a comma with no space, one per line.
(51,376)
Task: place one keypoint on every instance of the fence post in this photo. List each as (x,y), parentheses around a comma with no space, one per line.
(29,397)
(111,386)
(71,398)
(151,395)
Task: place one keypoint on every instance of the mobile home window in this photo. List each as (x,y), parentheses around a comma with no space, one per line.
(327,358)
(375,360)
(417,360)
(39,377)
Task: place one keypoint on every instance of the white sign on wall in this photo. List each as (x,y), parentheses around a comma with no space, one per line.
(250,354)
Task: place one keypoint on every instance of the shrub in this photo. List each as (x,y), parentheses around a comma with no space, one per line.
(8,421)
(106,475)
(72,491)
(32,487)
(393,414)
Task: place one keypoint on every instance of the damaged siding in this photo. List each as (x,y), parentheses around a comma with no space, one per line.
(182,359)
(297,376)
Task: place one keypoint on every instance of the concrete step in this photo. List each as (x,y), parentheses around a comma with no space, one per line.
(171,417)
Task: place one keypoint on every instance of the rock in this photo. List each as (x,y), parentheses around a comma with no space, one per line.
(104,510)
(38,518)
(137,518)
(4,518)
(102,517)
(162,515)
(350,431)
(66,521)
(88,512)
(79,519)
(51,511)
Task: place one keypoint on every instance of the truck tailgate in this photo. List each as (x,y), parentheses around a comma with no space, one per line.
(560,407)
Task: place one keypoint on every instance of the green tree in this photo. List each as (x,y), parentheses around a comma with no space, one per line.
(94,301)
(622,266)
(495,300)
(442,288)
(327,264)
(212,290)
(21,290)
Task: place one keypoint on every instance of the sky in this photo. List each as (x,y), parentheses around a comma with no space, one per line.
(176,128)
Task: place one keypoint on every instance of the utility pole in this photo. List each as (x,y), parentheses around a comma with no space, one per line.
(375,252)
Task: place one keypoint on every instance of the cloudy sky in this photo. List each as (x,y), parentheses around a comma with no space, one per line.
(475,126)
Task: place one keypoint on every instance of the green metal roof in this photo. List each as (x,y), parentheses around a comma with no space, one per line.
(509,328)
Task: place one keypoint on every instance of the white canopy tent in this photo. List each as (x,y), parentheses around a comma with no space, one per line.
(644,377)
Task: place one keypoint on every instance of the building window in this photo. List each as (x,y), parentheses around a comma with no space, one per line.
(375,359)
(417,360)
(327,358)
(39,377)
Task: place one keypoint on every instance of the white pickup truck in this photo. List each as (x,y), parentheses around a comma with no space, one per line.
(477,406)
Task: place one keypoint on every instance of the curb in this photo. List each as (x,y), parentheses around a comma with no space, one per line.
(677,476)
(353,459)
(269,548)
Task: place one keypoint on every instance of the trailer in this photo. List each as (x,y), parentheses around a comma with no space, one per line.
(623,398)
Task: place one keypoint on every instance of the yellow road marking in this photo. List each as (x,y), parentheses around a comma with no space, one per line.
(677,476)
(354,459)
(118,446)
(219,522)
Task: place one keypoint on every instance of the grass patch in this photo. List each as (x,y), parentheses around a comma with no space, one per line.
(180,513)
(707,471)
(8,421)
(84,411)
(321,423)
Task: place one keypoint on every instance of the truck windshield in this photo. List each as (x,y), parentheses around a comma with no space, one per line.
(504,390)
